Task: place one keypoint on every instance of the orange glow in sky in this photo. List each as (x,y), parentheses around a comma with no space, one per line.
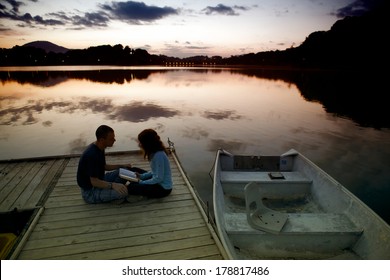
(172,28)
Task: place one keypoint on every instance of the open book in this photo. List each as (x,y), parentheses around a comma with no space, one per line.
(128,175)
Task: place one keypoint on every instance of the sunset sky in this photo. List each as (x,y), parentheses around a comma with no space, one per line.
(174,28)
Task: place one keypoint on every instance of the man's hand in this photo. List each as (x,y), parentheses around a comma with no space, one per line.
(120,188)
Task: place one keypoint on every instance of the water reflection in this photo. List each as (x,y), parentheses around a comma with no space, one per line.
(242,110)
(18,113)
(221,115)
(53,78)
(354,95)
(141,112)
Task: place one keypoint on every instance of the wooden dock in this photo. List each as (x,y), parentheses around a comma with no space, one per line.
(65,227)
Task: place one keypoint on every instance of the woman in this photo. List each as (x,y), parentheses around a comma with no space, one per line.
(158,181)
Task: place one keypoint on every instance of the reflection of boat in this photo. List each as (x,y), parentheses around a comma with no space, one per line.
(282,207)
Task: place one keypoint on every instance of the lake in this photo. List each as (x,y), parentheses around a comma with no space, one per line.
(336,119)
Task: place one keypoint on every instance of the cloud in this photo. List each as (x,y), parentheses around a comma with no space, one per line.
(14,6)
(197,47)
(130,11)
(91,20)
(137,12)
(11,11)
(224,10)
(185,49)
(30,20)
(40,20)
(359,7)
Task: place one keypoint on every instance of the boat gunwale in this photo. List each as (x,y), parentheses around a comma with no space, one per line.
(221,234)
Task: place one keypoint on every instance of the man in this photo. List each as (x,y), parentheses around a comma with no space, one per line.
(96,185)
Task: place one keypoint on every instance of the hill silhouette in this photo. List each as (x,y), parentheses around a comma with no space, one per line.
(351,43)
(47,46)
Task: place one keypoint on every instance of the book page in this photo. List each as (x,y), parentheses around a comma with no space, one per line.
(128,175)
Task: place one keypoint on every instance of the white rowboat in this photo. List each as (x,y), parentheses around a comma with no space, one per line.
(286,207)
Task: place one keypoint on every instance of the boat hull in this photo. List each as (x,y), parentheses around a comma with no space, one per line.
(288,208)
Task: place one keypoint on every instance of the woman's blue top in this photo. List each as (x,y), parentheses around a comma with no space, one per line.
(160,171)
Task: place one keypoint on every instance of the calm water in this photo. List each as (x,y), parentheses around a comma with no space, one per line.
(326,116)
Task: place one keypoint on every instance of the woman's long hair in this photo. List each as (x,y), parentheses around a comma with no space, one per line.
(150,143)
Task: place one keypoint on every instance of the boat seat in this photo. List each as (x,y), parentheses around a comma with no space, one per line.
(302,233)
(258,215)
(298,224)
(266,219)
(263,218)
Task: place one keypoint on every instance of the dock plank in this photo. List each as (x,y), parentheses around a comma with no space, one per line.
(41,185)
(173,227)
(162,249)
(9,184)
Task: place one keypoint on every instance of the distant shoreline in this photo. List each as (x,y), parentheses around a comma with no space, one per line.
(159,67)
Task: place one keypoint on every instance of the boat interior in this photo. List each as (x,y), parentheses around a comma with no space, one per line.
(266,198)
